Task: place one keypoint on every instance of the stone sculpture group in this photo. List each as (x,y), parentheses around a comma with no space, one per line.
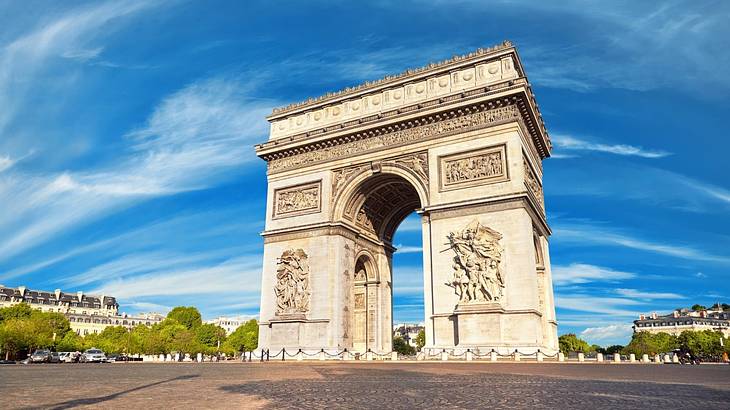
(477,273)
(292,286)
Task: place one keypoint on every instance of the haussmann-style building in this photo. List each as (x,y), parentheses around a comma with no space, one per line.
(685,319)
(86,314)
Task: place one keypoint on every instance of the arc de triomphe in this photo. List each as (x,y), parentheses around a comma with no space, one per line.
(460,142)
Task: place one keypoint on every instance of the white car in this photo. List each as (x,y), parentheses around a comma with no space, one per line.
(69,357)
(93,355)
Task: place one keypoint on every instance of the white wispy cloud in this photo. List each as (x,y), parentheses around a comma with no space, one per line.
(581,234)
(638,182)
(612,306)
(135,264)
(639,46)
(83,54)
(618,333)
(146,306)
(401,249)
(6,162)
(634,293)
(236,275)
(191,141)
(570,143)
(410,224)
(585,273)
(27,56)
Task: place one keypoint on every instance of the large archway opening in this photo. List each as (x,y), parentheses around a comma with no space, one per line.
(376,207)
(408,293)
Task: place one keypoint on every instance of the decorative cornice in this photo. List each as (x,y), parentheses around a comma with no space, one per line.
(392,78)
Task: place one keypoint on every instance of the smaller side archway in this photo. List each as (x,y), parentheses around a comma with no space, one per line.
(365,295)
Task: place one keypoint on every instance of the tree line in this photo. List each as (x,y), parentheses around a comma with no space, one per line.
(702,344)
(24,329)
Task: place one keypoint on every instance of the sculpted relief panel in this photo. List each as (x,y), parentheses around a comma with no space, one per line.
(292,283)
(478,275)
(297,200)
(533,184)
(473,168)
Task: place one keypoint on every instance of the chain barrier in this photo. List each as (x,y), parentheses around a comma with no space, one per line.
(281,355)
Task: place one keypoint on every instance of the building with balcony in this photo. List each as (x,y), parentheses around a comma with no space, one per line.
(685,319)
(86,313)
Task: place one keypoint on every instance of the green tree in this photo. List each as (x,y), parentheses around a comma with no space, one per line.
(698,308)
(421,339)
(244,339)
(402,347)
(71,342)
(597,349)
(650,343)
(210,335)
(19,311)
(569,342)
(113,340)
(613,349)
(47,328)
(704,343)
(187,316)
(16,335)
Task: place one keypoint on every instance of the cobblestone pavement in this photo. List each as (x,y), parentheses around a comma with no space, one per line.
(365,385)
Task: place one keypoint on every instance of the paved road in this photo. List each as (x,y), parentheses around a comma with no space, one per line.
(365,385)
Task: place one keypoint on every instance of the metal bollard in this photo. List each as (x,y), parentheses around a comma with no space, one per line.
(517,356)
(444,355)
(538,355)
(469,355)
(321,354)
(493,356)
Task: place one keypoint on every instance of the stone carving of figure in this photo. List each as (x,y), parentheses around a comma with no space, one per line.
(477,273)
(292,283)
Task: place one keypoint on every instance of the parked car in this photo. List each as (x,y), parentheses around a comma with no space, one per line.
(41,356)
(55,357)
(69,357)
(93,355)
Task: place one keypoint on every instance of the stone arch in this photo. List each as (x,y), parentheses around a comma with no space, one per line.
(377,202)
(364,173)
(365,260)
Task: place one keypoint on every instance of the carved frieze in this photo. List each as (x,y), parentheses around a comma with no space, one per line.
(359,301)
(394,138)
(533,184)
(298,200)
(341,177)
(292,283)
(478,276)
(473,168)
(417,163)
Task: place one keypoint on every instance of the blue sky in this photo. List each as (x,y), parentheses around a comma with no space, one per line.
(126,133)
